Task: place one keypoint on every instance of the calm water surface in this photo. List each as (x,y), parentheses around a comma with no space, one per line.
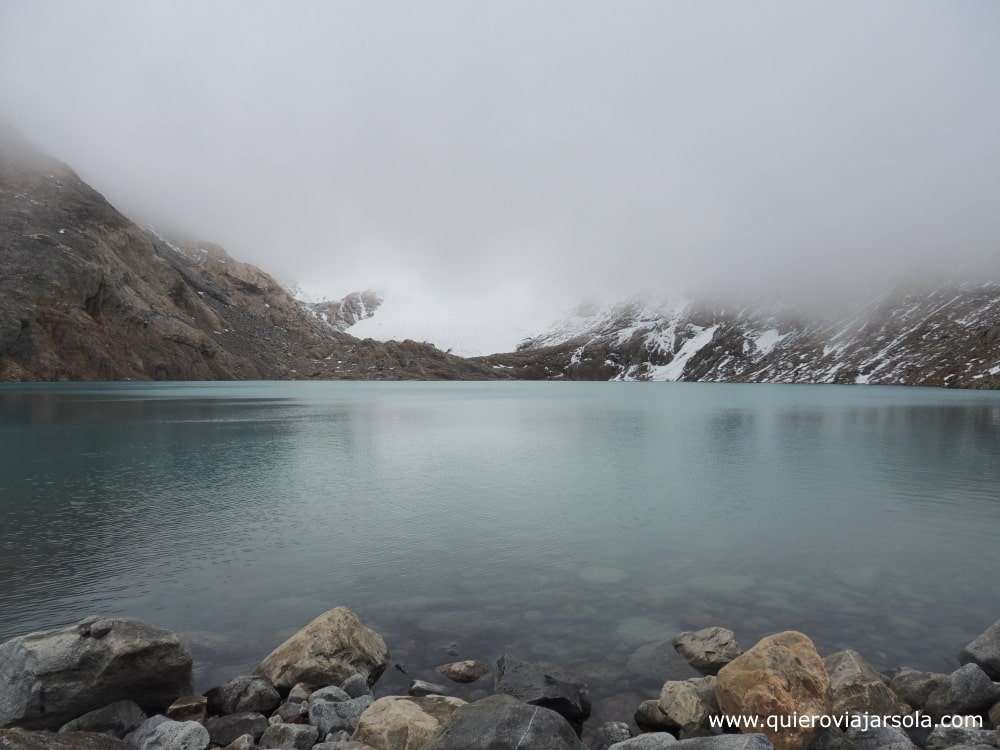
(583,524)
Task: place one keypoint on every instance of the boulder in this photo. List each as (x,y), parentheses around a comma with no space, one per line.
(882,738)
(649,718)
(914,687)
(651,741)
(226,729)
(327,651)
(22,739)
(189,708)
(243,742)
(405,723)
(117,719)
(342,745)
(356,685)
(301,692)
(994,715)
(610,733)
(682,706)
(291,713)
(468,670)
(161,733)
(331,694)
(534,684)
(244,694)
(725,742)
(419,688)
(942,737)
(856,688)
(967,690)
(708,650)
(781,675)
(289,737)
(830,738)
(53,676)
(334,716)
(985,651)
(501,722)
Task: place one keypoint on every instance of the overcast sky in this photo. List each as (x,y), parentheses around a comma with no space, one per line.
(487,164)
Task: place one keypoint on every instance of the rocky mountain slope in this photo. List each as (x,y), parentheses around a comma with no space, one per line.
(86,294)
(341,314)
(943,336)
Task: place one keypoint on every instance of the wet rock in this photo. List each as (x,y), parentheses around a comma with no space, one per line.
(53,676)
(333,716)
(189,708)
(914,687)
(682,706)
(942,737)
(882,738)
(649,717)
(420,688)
(301,692)
(534,684)
(22,739)
(161,733)
(985,651)
(967,690)
(292,713)
(243,742)
(405,723)
(244,694)
(116,719)
(501,722)
(855,686)
(651,741)
(725,742)
(225,729)
(289,737)
(708,650)
(468,670)
(356,685)
(610,733)
(781,675)
(327,651)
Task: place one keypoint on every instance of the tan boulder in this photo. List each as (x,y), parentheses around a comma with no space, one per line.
(327,651)
(856,688)
(782,676)
(404,723)
(687,705)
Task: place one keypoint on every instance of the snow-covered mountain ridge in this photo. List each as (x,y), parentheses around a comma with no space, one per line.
(943,336)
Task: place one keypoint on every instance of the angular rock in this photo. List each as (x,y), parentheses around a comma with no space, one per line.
(468,670)
(781,675)
(725,742)
(300,692)
(225,729)
(533,684)
(53,676)
(882,738)
(243,742)
(649,718)
(22,739)
(116,719)
(708,650)
(292,713)
(651,741)
(404,723)
(161,733)
(501,722)
(334,716)
(289,737)
(327,651)
(243,694)
(356,685)
(189,708)
(967,690)
(985,651)
(682,706)
(942,737)
(420,688)
(856,688)
(610,733)
(331,694)
(913,687)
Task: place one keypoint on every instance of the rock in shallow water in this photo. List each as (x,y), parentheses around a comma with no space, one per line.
(708,650)
(54,676)
(468,670)
(501,722)
(405,723)
(116,719)
(327,651)
(420,688)
(985,651)
(534,684)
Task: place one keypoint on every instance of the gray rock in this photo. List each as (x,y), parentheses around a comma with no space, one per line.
(419,688)
(708,650)
(356,685)
(292,713)
(830,738)
(942,738)
(686,705)
(985,651)
(189,708)
(332,694)
(883,738)
(968,690)
(501,722)
(225,729)
(161,733)
(342,745)
(651,741)
(650,718)
(994,715)
(116,719)
(22,739)
(533,684)
(53,676)
(301,692)
(855,686)
(609,733)
(725,742)
(289,737)
(244,694)
(243,742)
(468,670)
(333,716)
(914,687)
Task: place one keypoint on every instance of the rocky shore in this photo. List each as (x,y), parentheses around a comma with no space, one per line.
(110,683)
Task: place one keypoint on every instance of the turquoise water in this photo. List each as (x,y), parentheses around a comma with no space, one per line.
(580,523)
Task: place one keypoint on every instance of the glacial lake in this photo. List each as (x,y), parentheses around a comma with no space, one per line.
(582,524)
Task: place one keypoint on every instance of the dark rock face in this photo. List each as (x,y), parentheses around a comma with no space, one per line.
(161,733)
(985,651)
(289,737)
(501,722)
(967,690)
(535,685)
(116,719)
(22,739)
(225,729)
(243,694)
(54,676)
(855,686)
